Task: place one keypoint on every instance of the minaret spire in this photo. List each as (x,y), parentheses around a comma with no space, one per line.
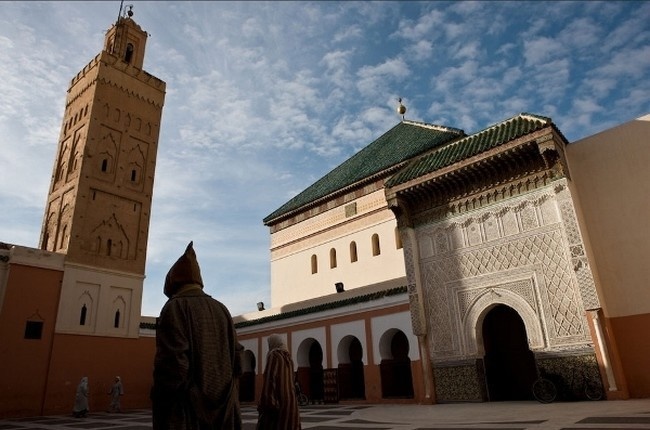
(119,14)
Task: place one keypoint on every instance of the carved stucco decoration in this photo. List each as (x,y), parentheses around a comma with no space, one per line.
(519,253)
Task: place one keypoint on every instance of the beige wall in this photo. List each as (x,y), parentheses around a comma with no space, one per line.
(292,279)
(103,292)
(610,174)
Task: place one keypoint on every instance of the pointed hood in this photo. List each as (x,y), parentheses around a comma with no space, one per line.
(185,271)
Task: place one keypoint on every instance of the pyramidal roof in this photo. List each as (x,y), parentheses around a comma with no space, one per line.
(390,151)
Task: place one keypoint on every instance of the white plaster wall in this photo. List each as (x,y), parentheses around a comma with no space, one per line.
(105,289)
(610,171)
(339,331)
(291,276)
(401,321)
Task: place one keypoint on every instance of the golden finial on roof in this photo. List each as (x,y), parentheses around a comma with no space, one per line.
(401,109)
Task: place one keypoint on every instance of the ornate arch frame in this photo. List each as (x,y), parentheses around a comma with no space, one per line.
(491,297)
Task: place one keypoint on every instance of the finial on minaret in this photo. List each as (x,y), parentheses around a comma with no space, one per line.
(401,109)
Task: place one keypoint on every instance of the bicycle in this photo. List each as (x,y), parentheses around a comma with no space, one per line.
(547,387)
(300,396)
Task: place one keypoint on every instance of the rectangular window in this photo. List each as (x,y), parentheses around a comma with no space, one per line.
(351,209)
(33,329)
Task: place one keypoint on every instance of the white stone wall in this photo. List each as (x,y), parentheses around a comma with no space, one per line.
(292,279)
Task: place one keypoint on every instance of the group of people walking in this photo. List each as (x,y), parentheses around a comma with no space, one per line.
(197,364)
(80,408)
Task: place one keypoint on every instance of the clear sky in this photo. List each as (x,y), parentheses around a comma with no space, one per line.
(264,98)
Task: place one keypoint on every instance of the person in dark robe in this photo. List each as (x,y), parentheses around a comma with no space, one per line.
(278,406)
(196,365)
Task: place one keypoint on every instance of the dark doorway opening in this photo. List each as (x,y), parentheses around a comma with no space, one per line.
(509,364)
(350,373)
(247,378)
(396,377)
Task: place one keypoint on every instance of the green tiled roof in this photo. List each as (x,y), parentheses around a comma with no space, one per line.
(471,145)
(404,141)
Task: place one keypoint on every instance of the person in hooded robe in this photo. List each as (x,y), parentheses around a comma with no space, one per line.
(80,408)
(278,406)
(197,364)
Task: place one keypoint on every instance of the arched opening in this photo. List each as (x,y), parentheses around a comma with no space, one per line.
(375,245)
(353,252)
(332,258)
(314,264)
(398,239)
(247,379)
(129,53)
(82,315)
(310,373)
(116,319)
(395,366)
(350,370)
(509,363)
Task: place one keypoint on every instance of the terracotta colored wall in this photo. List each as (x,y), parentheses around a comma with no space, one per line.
(631,334)
(100,359)
(31,294)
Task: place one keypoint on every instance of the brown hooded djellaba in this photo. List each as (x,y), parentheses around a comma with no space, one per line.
(196,367)
(278,406)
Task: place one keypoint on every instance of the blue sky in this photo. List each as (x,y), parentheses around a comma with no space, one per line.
(264,98)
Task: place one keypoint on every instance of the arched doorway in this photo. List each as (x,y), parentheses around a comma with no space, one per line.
(247,379)
(310,370)
(509,363)
(350,369)
(395,365)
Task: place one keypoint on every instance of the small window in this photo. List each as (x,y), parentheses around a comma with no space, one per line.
(314,264)
(33,329)
(398,239)
(375,245)
(109,247)
(353,252)
(82,315)
(129,53)
(116,320)
(104,165)
(133,175)
(332,258)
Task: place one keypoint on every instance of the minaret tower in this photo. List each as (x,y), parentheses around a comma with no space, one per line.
(99,203)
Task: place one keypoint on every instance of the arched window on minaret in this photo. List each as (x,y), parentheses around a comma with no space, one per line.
(109,247)
(82,316)
(105,165)
(116,320)
(129,53)
(332,258)
(64,231)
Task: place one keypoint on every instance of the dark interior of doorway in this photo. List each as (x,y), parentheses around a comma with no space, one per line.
(509,364)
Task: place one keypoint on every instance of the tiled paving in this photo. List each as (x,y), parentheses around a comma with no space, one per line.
(619,415)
